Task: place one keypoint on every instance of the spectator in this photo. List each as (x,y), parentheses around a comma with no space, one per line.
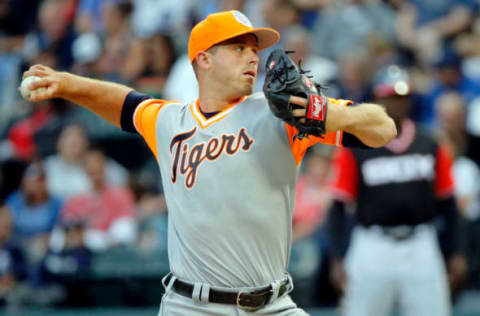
(17,17)
(151,215)
(299,39)
(313,195)
(451,113)
(116,63)
(89,17)
(473,130)
(34,212)
(167,16)
(108,211)
(450,109)
(87,49)
(12,170)
(345,26)
(309,10)
(423,26)
(27,118)
(160,56)
(16,20)
(447,77)
(66,175)
(12,262)
(181,81)
(60,272)
(468,46)
(203,8)
(279,14)
(354,77)
(54,32)
(312,199)
(21,136)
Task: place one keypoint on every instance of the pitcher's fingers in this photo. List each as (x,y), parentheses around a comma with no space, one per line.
(41,83)
(298,101)
(299,112)
(40,67)
(42,95)
(37,70)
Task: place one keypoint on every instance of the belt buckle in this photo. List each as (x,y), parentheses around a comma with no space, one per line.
(245,300)
(401,233)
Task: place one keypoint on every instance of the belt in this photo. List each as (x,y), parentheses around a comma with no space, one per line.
(246,300)
(401,233)
(397,233)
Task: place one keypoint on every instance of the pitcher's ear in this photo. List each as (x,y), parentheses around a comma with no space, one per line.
(203,60)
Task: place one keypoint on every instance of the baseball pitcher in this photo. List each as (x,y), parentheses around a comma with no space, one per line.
(228,164)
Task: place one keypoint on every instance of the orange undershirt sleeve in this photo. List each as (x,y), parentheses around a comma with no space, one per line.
(299,146)
(145,120)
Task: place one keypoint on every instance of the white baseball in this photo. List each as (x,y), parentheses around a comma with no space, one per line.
(27,93)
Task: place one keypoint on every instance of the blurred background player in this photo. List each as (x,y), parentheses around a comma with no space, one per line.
(394,257)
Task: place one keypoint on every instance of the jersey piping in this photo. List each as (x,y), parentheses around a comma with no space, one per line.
(203,121)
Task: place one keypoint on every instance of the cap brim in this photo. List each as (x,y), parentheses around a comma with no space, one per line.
(266,37)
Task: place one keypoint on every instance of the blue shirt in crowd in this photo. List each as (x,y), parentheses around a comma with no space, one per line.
(469,89)
(29,221)
(431,10)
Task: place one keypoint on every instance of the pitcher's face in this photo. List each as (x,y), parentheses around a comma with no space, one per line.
(235,64)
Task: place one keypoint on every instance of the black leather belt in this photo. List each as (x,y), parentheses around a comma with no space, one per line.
(246,300)
(399,233)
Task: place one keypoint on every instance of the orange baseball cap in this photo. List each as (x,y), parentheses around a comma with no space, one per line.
(218,27)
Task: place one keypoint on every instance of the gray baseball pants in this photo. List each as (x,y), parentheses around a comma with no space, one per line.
(382,272)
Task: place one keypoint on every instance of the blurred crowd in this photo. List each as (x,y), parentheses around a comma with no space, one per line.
(73,187)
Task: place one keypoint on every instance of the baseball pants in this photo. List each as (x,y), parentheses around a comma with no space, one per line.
(174,304)
(383,272)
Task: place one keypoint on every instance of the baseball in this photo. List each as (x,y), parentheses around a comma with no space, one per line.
(27,93)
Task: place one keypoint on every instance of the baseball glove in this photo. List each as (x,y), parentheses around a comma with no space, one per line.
(285,79)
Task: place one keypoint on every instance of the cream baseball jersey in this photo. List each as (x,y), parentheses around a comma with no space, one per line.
(229,182)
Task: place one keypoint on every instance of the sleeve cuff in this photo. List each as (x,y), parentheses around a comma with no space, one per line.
(132,101)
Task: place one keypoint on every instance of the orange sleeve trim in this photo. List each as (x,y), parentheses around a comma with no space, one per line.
(137,115)
(145,121)
(299,146)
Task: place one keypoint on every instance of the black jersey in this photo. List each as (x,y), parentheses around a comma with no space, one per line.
(398,184)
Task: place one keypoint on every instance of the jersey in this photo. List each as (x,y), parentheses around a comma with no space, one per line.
(229,183)
(398,184)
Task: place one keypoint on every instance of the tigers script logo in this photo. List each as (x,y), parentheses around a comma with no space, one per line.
(187,161)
